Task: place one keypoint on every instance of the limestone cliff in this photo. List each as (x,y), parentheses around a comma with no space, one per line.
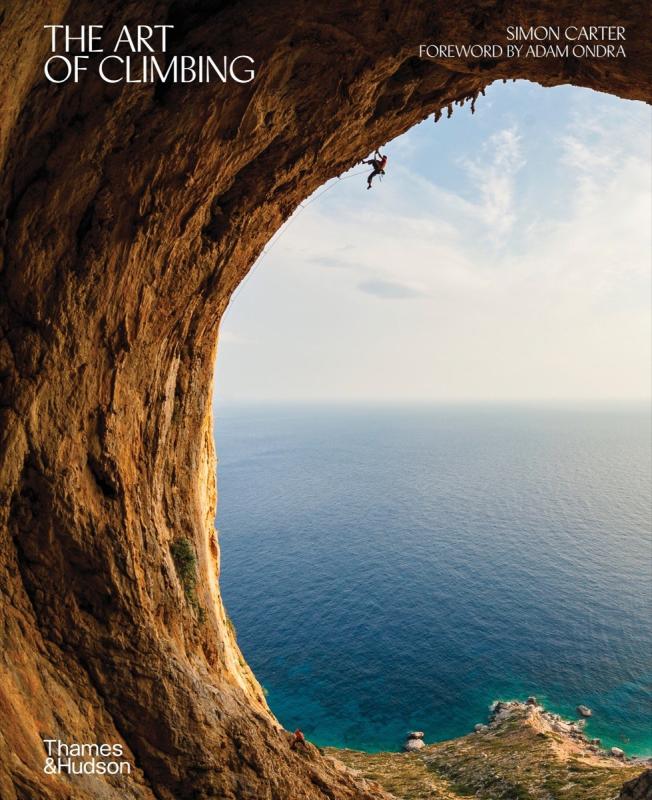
(130,214)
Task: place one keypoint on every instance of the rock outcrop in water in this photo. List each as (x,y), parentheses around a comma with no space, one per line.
(130,213)
(414,741)
(521,754)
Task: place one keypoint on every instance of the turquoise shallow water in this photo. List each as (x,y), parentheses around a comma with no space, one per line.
(397,568)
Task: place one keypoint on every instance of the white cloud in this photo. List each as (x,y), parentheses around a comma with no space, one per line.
(390,290)
(523,282)
(493,173)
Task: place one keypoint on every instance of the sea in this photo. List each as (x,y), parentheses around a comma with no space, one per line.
(401,567)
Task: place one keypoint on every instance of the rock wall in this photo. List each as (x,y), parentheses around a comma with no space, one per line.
(639,788)
(130,214)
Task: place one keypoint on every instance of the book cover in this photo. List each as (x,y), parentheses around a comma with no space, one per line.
(391,262)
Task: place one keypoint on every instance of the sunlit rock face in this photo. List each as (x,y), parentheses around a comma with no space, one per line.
(131,212)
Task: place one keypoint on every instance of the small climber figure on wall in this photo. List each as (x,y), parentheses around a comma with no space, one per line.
(378,162)
(298,740)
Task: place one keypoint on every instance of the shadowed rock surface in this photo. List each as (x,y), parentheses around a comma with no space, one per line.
(639,788)
(130,214)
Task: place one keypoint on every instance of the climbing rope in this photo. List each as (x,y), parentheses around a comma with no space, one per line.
(296,213)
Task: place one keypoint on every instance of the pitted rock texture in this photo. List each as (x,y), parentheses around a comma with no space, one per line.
(130,214)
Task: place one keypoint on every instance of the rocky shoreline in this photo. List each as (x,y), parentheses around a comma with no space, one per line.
(522,752)
(556,724)
(548,721)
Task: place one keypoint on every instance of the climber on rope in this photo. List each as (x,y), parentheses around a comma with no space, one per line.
(298,740)
(378,162)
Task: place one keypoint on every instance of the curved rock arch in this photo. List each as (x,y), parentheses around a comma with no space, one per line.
(130,214)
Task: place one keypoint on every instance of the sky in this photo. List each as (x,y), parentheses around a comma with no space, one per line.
(505,257)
